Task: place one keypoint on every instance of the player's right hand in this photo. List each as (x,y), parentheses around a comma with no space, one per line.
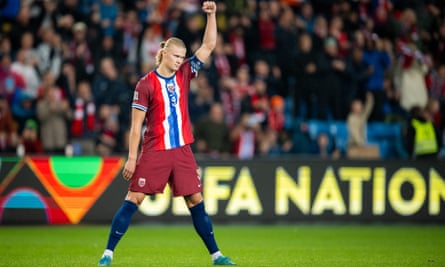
(129,168)
(209,7)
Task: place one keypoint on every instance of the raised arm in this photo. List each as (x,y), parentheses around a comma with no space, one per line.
(210,33)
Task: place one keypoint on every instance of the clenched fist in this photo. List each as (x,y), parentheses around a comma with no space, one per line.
(209,7)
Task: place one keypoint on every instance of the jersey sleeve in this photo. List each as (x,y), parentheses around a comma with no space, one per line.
(141,95)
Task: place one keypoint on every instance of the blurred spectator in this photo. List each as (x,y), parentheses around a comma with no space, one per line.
(10,81)
(107,49)
(320,34)
(149,47)
(45,16)
(190,30)
(223,62)
(437,88)
(270,74)
(27,45)
(437,91)
(80,54)
(438,44)
(379,60)
(276,139)
(108,12)
(30,138)
(23,65)
(305,19)
(286,40)
(212,134)
(335,30)
(358,75)
(275,116)
(131,30)
(237,42)
(23,107)
(49,82)
(357,120)
(53,111)
(242,83)
(307,84)
(258,102)
(22,23)
(409,78)
(332,72)
(423,140)
(201,97)
(83,124)
(247,22)
(230,100)
(245,137)
(8,127)
(432,112)
(325,147)
(5,45)
(301,139)
(49,52)
(109,130)
(107,85)
(68,80)
(266,32)
(69,10)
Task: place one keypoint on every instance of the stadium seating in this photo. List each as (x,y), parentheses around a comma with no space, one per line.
(386,135)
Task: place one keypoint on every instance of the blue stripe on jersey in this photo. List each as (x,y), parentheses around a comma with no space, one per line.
(173,127)
(138,106)
(196,64)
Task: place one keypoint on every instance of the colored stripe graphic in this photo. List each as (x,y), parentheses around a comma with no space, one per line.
(75,183)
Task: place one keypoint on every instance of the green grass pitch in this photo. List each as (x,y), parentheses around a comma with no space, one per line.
(254,245)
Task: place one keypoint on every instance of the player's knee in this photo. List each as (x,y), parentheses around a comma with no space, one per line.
(193,200)
(135,197)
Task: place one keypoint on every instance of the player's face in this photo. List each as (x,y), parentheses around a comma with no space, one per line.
(173,57)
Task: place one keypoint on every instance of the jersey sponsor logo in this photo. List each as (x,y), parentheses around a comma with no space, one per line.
(141,182)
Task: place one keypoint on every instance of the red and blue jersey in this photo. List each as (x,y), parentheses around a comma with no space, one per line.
(165,101)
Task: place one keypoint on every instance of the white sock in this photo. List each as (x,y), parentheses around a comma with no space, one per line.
(108,252)
(216,255)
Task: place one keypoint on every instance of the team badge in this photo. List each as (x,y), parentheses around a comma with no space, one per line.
(141,182)
(171,87)
(136,95)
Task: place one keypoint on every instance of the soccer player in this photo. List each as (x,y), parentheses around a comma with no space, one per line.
(160,98)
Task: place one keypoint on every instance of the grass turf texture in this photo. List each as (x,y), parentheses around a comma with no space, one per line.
(172,245)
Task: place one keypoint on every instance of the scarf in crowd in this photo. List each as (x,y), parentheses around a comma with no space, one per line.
(84,117)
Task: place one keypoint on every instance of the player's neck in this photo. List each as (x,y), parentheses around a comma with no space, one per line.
(165,71)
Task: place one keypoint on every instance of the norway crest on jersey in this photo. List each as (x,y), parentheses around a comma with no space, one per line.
(171,87)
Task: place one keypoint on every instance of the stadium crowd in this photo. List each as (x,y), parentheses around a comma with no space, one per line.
(68,70)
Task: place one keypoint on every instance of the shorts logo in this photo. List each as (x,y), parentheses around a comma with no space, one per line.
(141,182)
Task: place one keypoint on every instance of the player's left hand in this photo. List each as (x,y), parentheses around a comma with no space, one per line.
(209,7)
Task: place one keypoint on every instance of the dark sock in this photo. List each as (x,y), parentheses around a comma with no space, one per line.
(120,223)
(203,226)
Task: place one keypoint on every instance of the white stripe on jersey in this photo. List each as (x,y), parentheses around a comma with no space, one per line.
(179,113)
(167,113)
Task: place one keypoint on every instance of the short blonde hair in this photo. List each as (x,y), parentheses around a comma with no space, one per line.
(165,44)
